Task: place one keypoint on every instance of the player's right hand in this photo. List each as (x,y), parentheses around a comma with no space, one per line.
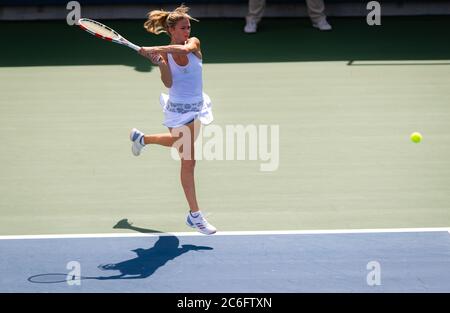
(155,58)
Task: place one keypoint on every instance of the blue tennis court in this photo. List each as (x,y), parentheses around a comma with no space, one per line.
(409,261)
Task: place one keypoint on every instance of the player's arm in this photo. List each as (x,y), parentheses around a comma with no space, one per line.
(166,75)
(191,45)
(163,64)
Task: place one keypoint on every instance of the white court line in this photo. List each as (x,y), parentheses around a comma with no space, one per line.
(234,233)
(407,62)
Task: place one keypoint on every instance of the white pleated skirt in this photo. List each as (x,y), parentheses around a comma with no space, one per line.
(174,119)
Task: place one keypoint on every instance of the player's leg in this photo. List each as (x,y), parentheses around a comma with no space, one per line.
(186,150)
(186,136)
(140,140)
(165,139)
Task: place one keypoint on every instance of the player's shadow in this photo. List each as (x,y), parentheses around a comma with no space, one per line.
(148,260)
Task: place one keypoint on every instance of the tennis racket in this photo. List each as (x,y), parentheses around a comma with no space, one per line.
(104,32)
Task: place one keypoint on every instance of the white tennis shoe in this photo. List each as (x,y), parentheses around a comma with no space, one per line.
(137,137)
(322,25)
(200,223)
(251,26)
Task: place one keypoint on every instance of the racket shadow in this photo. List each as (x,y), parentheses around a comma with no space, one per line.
(54,278)
(145,264)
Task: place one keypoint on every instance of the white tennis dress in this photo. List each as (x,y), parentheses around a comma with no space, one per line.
(186,100)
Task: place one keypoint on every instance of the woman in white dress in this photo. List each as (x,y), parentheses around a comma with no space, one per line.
(186,107)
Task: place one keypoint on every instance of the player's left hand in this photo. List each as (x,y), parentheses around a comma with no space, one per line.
(155,58)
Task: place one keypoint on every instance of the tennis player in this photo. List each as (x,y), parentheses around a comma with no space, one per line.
(186,107)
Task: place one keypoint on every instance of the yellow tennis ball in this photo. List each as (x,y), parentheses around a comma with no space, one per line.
(416,137)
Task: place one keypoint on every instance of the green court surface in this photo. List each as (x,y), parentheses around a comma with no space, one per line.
(345,103)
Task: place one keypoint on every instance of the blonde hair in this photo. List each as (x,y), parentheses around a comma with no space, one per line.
(159,21)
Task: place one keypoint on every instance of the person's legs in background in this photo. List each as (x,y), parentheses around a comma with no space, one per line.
(255,13)
(315,8)
(316,12)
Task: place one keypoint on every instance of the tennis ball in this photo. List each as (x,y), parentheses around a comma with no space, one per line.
(416,137)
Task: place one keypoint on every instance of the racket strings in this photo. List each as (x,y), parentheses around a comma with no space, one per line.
(99,29)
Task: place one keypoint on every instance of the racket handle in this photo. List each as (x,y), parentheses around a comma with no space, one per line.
(133,46)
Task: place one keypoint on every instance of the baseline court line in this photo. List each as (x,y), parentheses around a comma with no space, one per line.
(232,233)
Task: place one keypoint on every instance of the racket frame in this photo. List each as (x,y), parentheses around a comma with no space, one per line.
(120,40)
